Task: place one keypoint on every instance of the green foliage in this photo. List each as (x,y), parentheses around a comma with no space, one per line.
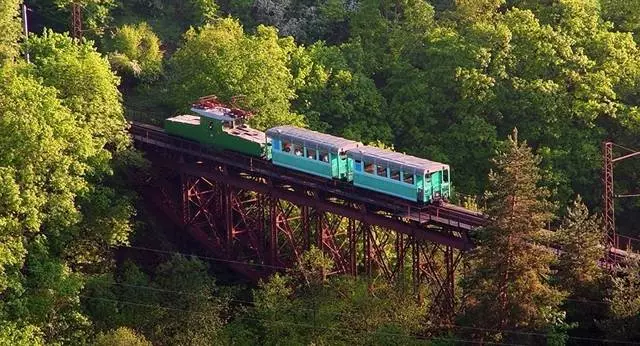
(135,50)
(88,88)
(582,240)
(314,267)
(625,15)
(220,59)
(122,337)
(86,85)
(180,305)
(342,310)
(96,14)
(43,159)
(14,335)
(507,283)
(339,101)
(10,28)
(60,214)
(169,18)
(623,320)
(579,272)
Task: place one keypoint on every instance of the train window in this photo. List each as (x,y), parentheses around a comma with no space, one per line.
(323,155)
(408,178)
(445,176)
(428,178)
(298,149)
(369,167)
(382,170)
(227,124)
(358,165)
(395,174)
(286,146)
(311,154)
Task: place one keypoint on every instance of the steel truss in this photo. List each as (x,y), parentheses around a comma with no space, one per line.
(260,223)
(258,234)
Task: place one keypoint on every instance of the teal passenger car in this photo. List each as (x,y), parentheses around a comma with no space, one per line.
(311,152)
(400,175)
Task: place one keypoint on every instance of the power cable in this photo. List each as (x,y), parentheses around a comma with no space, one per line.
(217,259)
(291,323)
(251,304)
(625,148)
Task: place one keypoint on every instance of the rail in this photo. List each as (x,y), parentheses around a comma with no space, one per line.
(453,217)
(444,214)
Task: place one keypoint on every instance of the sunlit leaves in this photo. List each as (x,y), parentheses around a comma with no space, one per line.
(220,59)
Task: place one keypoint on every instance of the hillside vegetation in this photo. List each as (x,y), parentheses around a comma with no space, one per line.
(516,95)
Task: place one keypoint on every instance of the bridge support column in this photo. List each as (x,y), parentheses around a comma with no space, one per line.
(366,248)
(228,218)
(186,214)
(273,231)
(353,270)
(306,227)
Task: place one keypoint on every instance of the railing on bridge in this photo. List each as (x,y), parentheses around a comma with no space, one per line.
(246,209)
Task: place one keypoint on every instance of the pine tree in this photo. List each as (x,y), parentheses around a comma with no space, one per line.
(623,322)
(506,286)
(581,240)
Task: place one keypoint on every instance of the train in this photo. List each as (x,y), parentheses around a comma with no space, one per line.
(223,127)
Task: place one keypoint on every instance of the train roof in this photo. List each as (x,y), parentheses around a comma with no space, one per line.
(309,136)
(396,159)
(218,113)
(247,133)
(185,119)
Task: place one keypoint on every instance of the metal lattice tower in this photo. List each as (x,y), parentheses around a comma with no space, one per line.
(607,196)
(76,21)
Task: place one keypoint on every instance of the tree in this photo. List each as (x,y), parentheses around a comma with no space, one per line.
(150,303)
(507,283)
(625,15)
(14,335)
(135,51)
(96,14)
(581,239)
(89,89)
(43,162)
(220,59)
(61,121)
(122,337)
(579,272)
(623,320)
(10,28)
(341,102)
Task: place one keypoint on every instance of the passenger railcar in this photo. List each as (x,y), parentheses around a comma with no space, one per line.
(311,152)
(399,175)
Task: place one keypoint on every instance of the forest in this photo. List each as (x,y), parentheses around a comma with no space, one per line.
(516,96)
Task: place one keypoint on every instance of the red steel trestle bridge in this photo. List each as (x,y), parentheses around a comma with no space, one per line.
(260,216)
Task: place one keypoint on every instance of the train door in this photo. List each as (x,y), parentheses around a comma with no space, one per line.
(436,184)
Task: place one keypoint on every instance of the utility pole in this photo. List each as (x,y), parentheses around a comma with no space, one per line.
(76,21)
(25,28)
(608,194)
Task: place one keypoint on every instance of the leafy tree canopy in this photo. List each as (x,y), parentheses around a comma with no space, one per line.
(135,50)
(220,59)
(10,28)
